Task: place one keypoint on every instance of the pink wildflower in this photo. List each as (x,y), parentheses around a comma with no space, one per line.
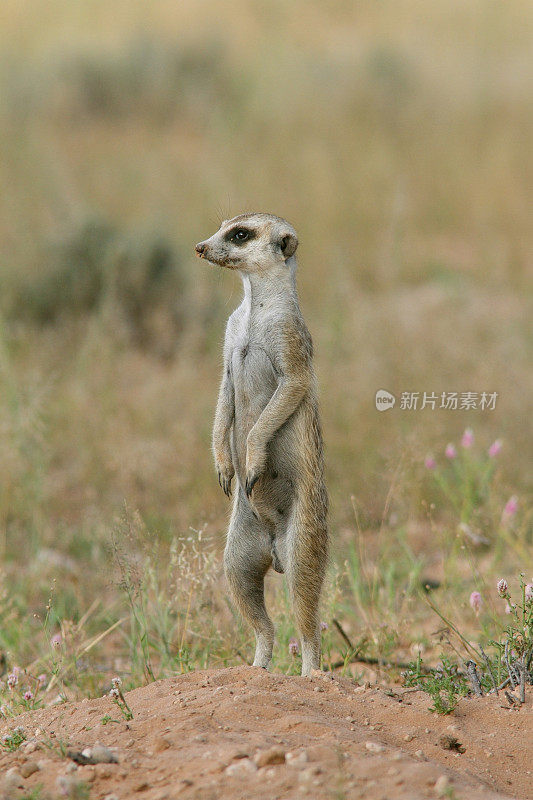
(476,601)
(509,608)
(28,695)
(12,680)
(502,587)
(324,626)
(529,591)
(511,507)
(495,448)
(56,641)
(468,438)
(294,647)
(42,679)
(430,463)
(114,694)
(450,451)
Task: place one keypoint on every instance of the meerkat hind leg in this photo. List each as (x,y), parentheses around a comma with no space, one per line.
(305,573)
(247,558)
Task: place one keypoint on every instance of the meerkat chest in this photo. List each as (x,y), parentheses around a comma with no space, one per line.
(254,376)
(253,372)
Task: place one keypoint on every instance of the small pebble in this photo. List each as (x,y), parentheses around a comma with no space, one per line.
(374,747)
(308,774)
(274,755)
(441,785)
(99,754)
(296,759)
(29,768)
(242,767)
(12,780)
(162,744)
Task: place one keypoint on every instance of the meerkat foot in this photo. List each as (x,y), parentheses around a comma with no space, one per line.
(310,656)
(263,654)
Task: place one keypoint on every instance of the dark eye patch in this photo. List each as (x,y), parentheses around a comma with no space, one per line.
(240,235)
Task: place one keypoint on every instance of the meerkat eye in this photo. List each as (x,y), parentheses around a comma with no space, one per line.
(239,235)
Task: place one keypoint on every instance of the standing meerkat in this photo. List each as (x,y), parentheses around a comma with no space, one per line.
(267,433)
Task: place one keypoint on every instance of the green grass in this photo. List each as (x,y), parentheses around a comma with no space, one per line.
(12,741)
(33,794)
(445,686)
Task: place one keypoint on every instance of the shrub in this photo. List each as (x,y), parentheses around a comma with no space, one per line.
(94,267)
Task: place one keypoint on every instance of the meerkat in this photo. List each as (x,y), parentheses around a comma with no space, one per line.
(267,433)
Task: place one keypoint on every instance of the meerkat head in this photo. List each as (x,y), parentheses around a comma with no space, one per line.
(251,243)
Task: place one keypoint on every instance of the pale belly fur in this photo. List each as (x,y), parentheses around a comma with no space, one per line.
(255,382)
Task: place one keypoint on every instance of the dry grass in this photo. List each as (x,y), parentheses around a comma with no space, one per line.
(397,139)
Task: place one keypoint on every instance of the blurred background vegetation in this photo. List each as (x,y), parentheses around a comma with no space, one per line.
(396,137)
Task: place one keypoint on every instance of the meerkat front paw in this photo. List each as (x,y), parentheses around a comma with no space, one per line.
(224,479)
(255,465)
(225,473)
(251,480)
(225,483)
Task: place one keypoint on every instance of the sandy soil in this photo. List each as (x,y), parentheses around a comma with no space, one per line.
(244,733)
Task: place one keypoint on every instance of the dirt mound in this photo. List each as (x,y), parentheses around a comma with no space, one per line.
(244,733)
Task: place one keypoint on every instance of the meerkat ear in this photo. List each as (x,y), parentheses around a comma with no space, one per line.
(288,244)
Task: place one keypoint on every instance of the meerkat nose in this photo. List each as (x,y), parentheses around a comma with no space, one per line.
(200,248)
